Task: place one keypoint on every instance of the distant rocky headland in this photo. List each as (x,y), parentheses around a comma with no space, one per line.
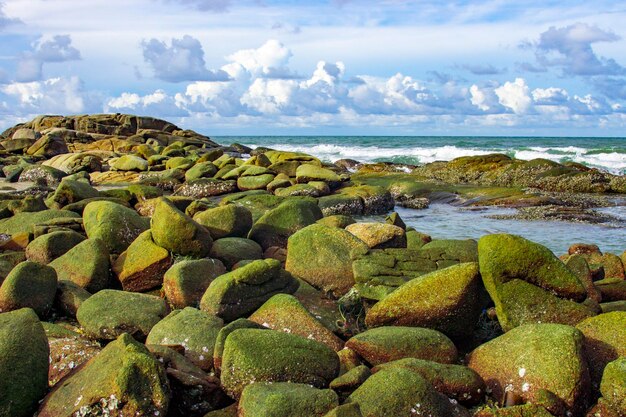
(146,270)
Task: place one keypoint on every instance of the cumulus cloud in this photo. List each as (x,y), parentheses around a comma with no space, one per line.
(183,60)
(205,5)
(5,20)
(55,50)
(269,61)
(158,102)
(515,96)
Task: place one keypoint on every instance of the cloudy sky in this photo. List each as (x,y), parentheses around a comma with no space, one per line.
(428,67)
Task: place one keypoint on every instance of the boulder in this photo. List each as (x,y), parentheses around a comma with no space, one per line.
(321,255)
(86,264)
(231,250)
(23,363)
(25,221)
(179,233)
(535,357)
(285,399)
(229,220)
(186,281)
(71,191)
(200,170)
(70,297)
(240,292)
(124,379)
(116,225)
(109,313)
(50,246)
(337,220)
(385,344)
(29,284)
(194,330)
(309,172)
(218,352)
(206,187)
(252,355)
(613,387)
(379,235)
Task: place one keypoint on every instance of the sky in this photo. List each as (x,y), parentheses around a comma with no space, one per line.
(335,67)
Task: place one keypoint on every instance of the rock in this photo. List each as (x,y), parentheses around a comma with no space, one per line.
(605,341)
(218,352)
(71,191)
(200,170)
(526,410)
(230,220)
(420,303)
(109,313)
(511,265)
(395,219)
(8,261)
(321,256)
(142,266)
(186,281)
(206,187)
(346,383)
(70,297)
(379,235)
(86,264)
(446,252)
(29,284)
(535,357)
(385,344)
(116,225)
(23,364)
(124,379)
(24,222)
(613,387)
(308,172)
(68,352)
(454,381)
(231,250)
(252,355)
(285,399)
(256,182)
(275,226)
(194,330)
(612,290)
(338,220)
(375,199)
(179,233)
(341,204)
(345,410)
(401,392)
(240,292)
(283,312)
(41,174)
(579,266)
(50,246)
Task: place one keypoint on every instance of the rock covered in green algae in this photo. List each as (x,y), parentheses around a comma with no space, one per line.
(71,191)
(345,410)
(124,379)
(206,187)
(379,235)
(347,382)
(276,225)
(322,256)
(285,399)
(402,392)
(186,281)
(129,163)
(86,265)
(29,284)
(50,246)
(337,220)
(23,363)
(179,233)
(109,313)
(283,312)
(25,221)
(240,292)
(218,352)
(116,225)
(421,303)
(193,329)
(536,357)
(231,250)
(142,265)
(385,344)
(252,355)
(613,386)
(454,381)
(526,410)
(229,220)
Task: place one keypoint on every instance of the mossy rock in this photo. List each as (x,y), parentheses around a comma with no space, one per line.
(230,220)
(186,281)
(611,289)
(142,266)
(283,312)
(231,250)
(141,192)
(347,382)
(323,308)
(179,233)
(308,172)
(386,344)
(24,364)
(338,220)
(376,199)
(25,221)
(420,303)
(206,187)
(579,266)
(285,399)
(179,162)
(298,190)
(8,261)
(31,285)
(69,297)
(613,387)
(451,250)
(116,225)
(454,381)
(536,357)
(401,392)
(379,235)
(271,356)
(240,292)
(275,226)
(322,256)
(341,204)
(345,410)
(220,341)
(50,246)
(130,163)
(605,341)
(201,170)
(79,206)
(194,330)
(526,410)
(86,264)
(124,379)
(256,182)
(257,201)
(109,313)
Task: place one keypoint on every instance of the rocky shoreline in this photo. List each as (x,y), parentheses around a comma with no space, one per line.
(149,271)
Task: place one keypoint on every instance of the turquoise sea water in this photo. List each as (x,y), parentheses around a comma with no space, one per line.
(445,221)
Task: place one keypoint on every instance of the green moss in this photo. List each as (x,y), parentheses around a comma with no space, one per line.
(130,163)
(24,222)
(285,399)
(231,250)
(613,385)
(115,224)
(187,280)
(257,182)
(338,220)
(50,246)
(230,220)
(29,284)
(220,340)
(86,264)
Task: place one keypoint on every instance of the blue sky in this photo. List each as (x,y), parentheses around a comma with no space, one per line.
(330,67)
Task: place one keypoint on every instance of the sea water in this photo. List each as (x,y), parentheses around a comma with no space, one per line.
(448,222)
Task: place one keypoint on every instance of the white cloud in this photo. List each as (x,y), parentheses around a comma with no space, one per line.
(158,102)
(54,95)
(58,49)
(269,60)
(205,5)
(515,96)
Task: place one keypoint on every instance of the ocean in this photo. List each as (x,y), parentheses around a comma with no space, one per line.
(448,222)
